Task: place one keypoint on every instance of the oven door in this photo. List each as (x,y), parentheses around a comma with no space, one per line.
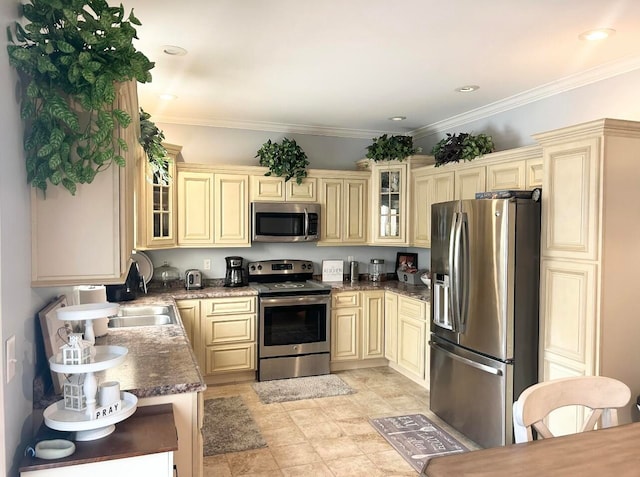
(294,325)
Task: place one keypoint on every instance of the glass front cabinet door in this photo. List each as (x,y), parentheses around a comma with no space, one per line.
(156,205)
(390,204)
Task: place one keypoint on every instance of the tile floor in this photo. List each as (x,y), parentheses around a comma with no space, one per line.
(327,436)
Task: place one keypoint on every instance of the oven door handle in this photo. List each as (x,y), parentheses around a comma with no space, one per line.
(296,300)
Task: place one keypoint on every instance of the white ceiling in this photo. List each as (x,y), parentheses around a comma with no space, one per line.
(342,67)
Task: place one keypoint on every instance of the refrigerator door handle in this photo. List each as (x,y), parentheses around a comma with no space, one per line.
(467,361)
(455,268)
(463,272)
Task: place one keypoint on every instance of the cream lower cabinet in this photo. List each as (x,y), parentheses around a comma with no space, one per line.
(188,409)
(589,262)
(213,209)
(344,214)
(357,325)
(406,336)
(190,315)
(228,335)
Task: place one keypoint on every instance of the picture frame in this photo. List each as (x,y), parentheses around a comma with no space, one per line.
(406,262)
(332,270)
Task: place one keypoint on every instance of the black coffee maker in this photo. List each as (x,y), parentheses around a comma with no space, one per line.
(236,275)
(129,289)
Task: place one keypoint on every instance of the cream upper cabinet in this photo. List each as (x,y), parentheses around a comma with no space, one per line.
(588,258)
(195,208)
(231,210)
(213,209)
(275,189)
(506,176)
(156,221)
(534,172)
(344,211)
(428,188)
(469,181)
(89,237)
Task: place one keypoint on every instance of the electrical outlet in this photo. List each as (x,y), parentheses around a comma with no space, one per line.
(11,358)
(207,264)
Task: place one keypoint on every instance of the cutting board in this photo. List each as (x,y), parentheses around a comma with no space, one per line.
(50,325)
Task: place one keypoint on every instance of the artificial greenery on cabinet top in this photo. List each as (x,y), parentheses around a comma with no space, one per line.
(151,138)
(285,159)
(461,147)
(389,148)
(71,55)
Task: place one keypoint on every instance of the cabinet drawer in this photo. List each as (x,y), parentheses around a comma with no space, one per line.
(345,299)
(412,308)
(222,306)
(229,329)
(240,357)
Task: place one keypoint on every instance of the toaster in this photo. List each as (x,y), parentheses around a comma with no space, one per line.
(193,279)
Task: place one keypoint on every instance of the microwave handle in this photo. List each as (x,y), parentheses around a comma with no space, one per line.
(306,222)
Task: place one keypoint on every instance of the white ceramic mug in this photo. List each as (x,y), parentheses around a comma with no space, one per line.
(109,393)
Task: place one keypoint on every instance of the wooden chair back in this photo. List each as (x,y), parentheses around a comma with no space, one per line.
(600,394)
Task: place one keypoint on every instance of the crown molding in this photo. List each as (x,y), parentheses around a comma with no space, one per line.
(273,127)
(593,75)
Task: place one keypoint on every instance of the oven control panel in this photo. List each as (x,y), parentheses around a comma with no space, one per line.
(280,267)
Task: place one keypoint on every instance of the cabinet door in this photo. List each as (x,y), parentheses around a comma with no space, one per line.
(373,324)
(355,211)
(345,332)
(267,188)
(411,345)
(469,181)
(157,218)
(231,206)
(570,218)
(190,315)
(230,358)
(391,326)
(331,219)
(390,204)
(304,192)
(534,173)
(506,176)
(195,212)
(89,237)
(227,329)
(428,189)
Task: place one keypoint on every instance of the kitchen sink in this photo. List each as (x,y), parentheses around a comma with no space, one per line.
(143,315)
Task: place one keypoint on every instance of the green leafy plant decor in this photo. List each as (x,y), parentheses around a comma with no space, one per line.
(151,141)
(70,57)
(388,148)
(461,147)
(285,159)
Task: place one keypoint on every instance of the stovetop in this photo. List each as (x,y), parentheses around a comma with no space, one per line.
(285,276)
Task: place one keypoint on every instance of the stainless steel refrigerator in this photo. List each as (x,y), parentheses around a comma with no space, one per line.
(485,256)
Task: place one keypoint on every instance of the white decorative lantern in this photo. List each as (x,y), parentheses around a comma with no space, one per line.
(76,351)
(74,397)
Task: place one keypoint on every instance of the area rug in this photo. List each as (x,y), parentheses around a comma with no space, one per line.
(229,427)
(294,389)
(416,438)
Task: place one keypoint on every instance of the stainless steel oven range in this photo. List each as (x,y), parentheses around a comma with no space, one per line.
(293,319)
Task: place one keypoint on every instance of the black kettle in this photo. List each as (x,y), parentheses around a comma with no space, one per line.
(129,289)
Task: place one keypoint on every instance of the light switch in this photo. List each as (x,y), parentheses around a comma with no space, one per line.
(11,358)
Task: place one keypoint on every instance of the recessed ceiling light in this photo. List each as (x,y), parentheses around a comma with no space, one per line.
(467,88)
(397,118)
(596,35)
(168,96)
(172,50)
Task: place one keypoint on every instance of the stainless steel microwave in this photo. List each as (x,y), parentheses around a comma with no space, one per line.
(285,222)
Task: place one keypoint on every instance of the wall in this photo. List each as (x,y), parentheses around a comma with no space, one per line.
(18,302)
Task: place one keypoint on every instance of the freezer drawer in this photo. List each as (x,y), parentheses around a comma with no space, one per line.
(472,393)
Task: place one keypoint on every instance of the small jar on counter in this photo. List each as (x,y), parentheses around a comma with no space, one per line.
(376,270)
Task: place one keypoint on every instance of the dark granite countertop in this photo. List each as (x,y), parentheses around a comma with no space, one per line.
(419,292)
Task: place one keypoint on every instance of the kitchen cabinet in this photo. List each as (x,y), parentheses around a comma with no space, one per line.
(506,176)
(156,220)
(213,209)
(227,338)
(344,209)
(391,326)
(190,315)
(357,327)
(428,188)
(587,306)
(89,237)
(468,181)
(390,191)
(188,410)
(275,189)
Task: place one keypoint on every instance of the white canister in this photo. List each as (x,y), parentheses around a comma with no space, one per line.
(108,393)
